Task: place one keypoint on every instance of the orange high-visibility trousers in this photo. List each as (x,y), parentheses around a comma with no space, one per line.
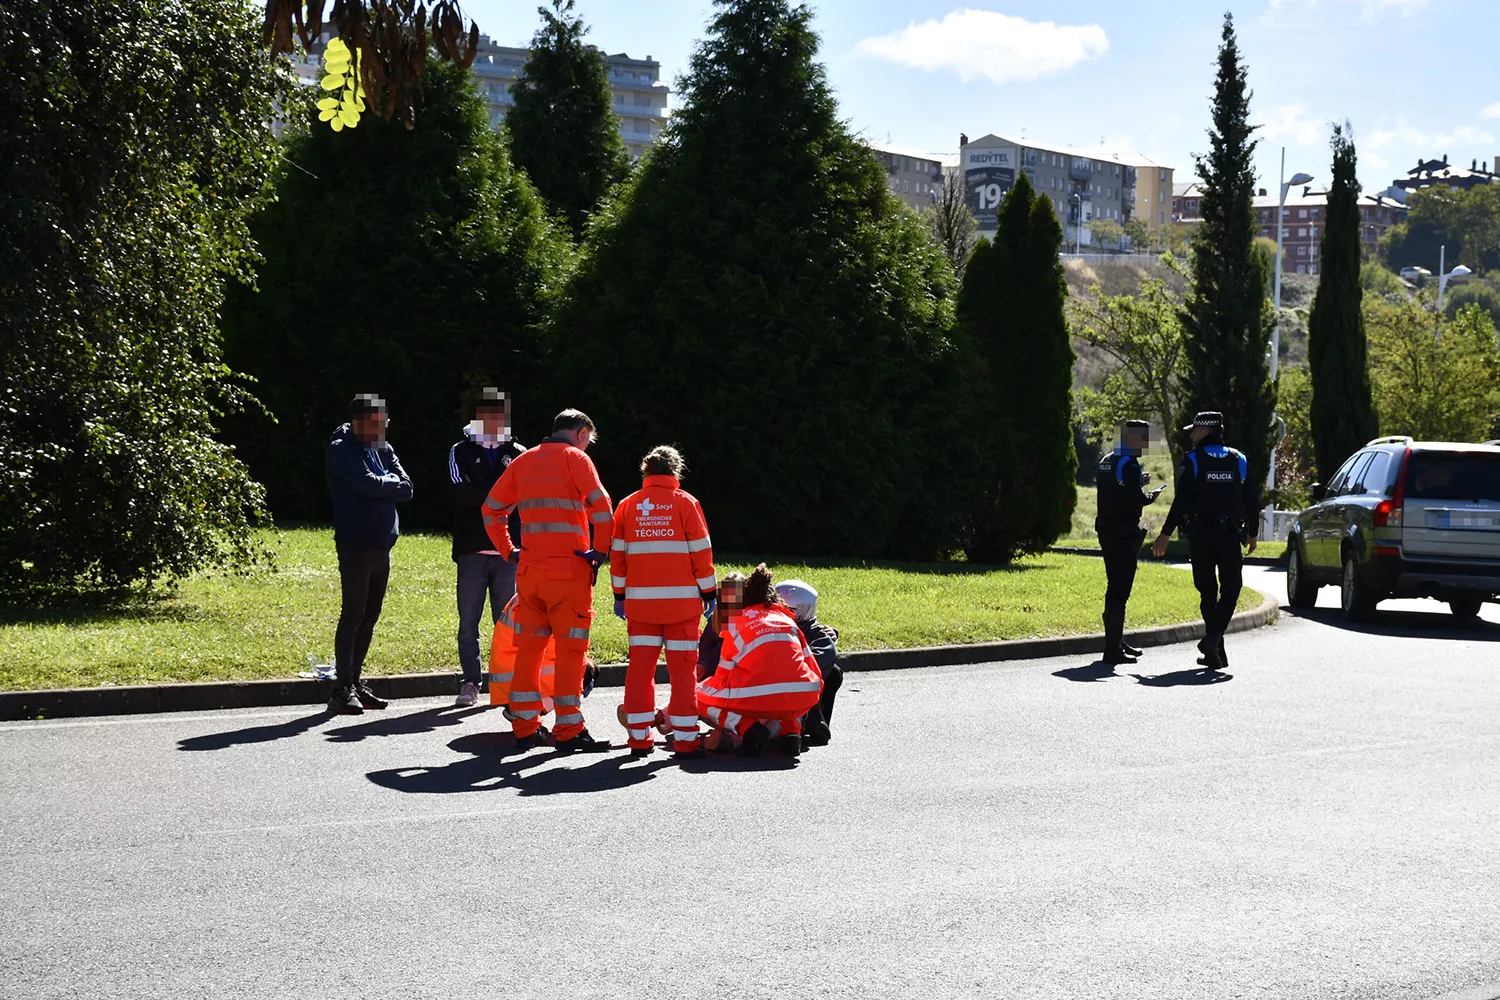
(503,660)
(680,640)
(561,601)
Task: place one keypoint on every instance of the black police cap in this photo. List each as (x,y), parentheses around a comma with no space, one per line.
(1206,418)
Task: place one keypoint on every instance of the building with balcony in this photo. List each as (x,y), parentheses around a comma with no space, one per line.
(640,96)
(1437,173)
(1306,219)
(1083,185)
(913,177)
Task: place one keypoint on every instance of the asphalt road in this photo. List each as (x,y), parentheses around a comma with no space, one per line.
(1321,821)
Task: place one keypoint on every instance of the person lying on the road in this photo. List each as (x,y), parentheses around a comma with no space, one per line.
(767,677)
(822,639)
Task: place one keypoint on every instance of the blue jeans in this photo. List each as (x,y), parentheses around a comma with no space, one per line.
(480,575)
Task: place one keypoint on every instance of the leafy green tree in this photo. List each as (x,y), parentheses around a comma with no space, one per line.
(563,129)
(135,143)
(1012,307)
(1106,233)
(1142,335)
(1485,294)
(1376,279)
(1343,416)
(1295,460)
(414,263)
(1434,380)
(1465,223)
(755,295)
(1139,234)
(1225,319)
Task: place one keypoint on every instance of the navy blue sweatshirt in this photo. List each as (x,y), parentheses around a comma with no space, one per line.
(365,484)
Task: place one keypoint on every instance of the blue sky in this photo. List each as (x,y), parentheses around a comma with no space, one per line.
(1415,77)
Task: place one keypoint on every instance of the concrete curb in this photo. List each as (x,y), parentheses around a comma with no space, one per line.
(149,699)
(1249,560)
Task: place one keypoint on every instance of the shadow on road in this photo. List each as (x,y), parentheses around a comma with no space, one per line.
(1406,624)
(1096,671)
(405,724)
(255,734)
(1184,678)
(491,763)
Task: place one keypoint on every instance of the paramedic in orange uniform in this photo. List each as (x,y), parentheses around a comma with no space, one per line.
(662,572)
(558,493)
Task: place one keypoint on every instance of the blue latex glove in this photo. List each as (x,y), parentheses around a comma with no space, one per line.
(594,558)
(620,608)
(708,608)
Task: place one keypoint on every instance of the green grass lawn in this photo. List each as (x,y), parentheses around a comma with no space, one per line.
(264,626)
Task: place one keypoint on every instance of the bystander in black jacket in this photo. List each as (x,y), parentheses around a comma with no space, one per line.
(473,471)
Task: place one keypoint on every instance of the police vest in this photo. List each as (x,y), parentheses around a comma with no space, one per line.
(1219,475)
(1118,480)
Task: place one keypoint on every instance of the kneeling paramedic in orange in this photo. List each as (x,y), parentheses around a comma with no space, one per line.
(662,571)
(767,677)
(557,490)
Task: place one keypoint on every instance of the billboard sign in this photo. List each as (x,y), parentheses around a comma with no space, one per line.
(989,174)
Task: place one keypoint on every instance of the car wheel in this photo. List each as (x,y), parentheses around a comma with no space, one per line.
(1300,591)
(1357,599)
(1466,606)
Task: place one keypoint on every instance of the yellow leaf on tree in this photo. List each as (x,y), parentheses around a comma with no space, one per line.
(338,126)
(336,45)
(349,116)
(339,66)
(328,102)
(328,114)
(332,82)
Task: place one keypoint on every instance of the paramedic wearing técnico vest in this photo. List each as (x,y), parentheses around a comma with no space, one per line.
(1216,502)
(557,490)
(662,570)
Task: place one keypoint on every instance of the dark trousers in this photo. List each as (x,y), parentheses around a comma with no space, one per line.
(833,679)
(1120,546)
(480,575)
(364,571)
(1218,575)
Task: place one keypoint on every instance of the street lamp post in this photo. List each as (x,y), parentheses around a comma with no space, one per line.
(1077,202)
(1268,524)
(1443,275)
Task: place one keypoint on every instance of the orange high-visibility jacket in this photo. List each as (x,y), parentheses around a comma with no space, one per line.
(557,490)
(503,657)
(766,668)
(661,560)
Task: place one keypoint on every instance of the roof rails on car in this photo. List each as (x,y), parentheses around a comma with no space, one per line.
(1390,439)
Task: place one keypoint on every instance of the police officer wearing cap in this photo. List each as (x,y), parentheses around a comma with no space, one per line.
(1122,495)
(1216,504)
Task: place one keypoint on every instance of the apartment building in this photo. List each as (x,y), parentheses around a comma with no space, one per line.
(913,177)
(1437,173)
(1083,184)
(640,95)
(1306,218)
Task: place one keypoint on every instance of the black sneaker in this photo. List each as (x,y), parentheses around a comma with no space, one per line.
(582,743)
(816,734)
(1209,647)
(638,752)
(1130,650)
(790,745)
(536,739)
(345,701)
(368,698)
(755,737)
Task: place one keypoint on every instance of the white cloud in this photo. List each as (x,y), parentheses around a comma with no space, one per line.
(1289,123)
(988,44)
(1428,144)
(1493,111)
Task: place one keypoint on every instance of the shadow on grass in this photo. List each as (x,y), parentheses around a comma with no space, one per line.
(255,734)
(102,608)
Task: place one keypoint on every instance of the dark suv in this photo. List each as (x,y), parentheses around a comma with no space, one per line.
(1402,518)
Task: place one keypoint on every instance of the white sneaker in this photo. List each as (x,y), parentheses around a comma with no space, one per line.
(468,695)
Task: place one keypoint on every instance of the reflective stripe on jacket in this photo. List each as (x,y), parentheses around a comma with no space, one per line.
(661,559)
(766,667)
(503,659)
(557,490)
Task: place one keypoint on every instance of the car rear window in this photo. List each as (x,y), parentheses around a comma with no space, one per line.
(1463,475)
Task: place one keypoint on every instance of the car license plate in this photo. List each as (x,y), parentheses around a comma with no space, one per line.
(1462,519)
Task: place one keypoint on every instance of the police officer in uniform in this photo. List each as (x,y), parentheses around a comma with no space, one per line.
(1216,504)
(1122,495)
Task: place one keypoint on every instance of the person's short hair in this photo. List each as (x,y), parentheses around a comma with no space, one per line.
(364,404)
(1136,425)
(663,460)
(570,420)
(490,399)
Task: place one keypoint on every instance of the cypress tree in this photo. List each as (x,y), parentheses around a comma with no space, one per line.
(755,295)
(1011,306)
(1226,320)
(563,129)
(1343,413)
(416,263)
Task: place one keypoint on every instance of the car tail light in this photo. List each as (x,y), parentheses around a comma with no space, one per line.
(1388,513)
